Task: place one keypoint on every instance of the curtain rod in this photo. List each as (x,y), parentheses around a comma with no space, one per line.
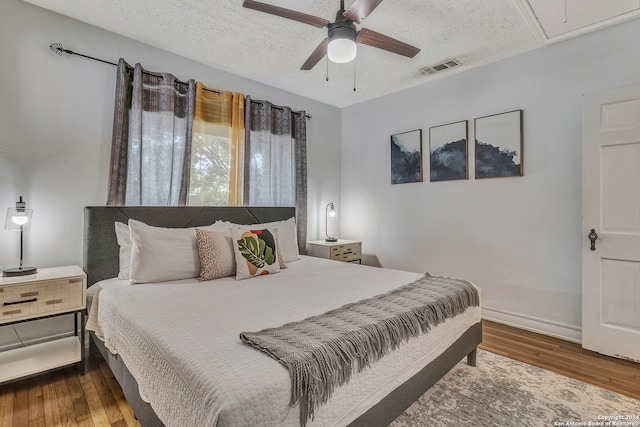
(58,49)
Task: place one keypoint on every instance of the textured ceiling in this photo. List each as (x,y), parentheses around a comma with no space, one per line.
(271,49)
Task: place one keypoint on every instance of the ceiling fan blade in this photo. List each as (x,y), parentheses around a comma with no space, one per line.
(316,56)
(285,13)
(371,38)
(360,9)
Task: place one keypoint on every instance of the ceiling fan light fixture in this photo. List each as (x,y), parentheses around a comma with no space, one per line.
(342,46)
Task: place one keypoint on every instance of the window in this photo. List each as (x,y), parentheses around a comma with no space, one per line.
(217,148)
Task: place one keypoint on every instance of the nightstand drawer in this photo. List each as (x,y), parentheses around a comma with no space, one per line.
(40,298)
(347,252)
(341,250)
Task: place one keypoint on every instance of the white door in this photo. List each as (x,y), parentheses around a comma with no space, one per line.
(611,207)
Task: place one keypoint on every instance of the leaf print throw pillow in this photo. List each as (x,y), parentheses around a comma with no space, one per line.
(255,252)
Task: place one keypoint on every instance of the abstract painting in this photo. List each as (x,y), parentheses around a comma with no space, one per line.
(448,151)
(406,157)
(499,145)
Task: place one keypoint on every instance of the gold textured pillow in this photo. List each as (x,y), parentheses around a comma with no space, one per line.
(216,254)
(283,264)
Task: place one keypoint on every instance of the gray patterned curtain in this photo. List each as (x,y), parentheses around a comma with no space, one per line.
(276,160)
(151,149)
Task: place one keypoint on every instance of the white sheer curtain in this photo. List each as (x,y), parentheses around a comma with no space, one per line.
(151,149)
(276,160)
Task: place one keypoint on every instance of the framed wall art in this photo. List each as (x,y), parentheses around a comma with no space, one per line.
(448,146)
(499,145)
(406,157)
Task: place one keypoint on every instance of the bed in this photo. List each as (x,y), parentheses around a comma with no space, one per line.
(186,333)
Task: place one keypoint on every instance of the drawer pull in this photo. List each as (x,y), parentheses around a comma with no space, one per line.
(9,313)
(29,294)
(76,280)
(53,301)
(21,302)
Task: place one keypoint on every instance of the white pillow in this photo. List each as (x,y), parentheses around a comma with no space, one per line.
(122,236)
(255,252)
(159,254)
(287,236)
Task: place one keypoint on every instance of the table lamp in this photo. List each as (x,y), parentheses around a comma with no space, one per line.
(19,219)
(330,212)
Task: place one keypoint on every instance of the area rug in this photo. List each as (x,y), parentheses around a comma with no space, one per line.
(504,392)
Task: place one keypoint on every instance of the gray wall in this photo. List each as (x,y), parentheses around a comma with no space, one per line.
(517,238)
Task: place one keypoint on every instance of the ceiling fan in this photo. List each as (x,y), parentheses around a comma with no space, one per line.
(342,36)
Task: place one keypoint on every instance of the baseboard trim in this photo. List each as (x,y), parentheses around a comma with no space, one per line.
(534,324)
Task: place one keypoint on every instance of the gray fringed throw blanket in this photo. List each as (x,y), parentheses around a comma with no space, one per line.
(321,351)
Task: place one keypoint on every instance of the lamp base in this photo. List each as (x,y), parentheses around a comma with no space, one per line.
(20,271)
(330,239)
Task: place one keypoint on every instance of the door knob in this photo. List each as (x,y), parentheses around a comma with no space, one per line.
(593,236)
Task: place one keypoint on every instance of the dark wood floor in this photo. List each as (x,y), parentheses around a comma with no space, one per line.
(563,357)
(66,398)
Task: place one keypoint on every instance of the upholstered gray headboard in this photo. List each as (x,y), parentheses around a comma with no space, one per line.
(101,249)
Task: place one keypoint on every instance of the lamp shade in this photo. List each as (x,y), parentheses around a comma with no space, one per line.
(342,42)
(18,219)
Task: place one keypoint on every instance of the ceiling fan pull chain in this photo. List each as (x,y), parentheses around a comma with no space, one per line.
(564,21)
(327,78)
(355,69)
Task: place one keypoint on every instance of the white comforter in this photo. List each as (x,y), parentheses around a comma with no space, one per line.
(180,340)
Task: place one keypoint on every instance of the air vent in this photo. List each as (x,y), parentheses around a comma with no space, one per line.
(445,65)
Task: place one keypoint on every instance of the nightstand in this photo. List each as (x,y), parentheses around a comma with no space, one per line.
(48,293)
(342,250)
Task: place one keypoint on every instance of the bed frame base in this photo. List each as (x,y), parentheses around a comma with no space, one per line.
(381,414)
